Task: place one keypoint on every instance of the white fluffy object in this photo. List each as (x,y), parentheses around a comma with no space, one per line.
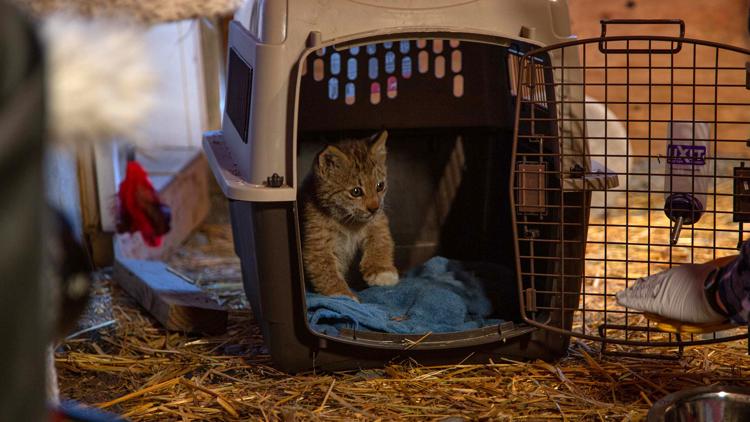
(100,80)
(146,11)
(607,139)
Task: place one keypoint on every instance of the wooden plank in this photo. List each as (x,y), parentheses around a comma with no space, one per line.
(212,61)
(187,197)
(102,250)
(88,190)
(97,241)
(173,301)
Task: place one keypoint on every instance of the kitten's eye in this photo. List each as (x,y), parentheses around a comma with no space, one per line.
(357,192)
(380,186)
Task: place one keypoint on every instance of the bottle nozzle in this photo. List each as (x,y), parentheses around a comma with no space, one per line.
(675,234)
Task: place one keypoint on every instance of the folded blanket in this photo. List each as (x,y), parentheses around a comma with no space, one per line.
(439,297)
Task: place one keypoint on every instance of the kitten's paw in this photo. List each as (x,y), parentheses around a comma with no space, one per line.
(352,297)
(385,278)
(349,294)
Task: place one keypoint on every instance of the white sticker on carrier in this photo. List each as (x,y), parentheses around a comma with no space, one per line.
(383,279)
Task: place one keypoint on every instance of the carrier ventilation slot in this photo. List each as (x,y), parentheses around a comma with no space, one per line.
(376,72)
(238,98)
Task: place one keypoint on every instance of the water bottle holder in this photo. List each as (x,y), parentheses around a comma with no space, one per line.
(683,206)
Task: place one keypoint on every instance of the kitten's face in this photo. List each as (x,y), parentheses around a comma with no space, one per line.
(351,179)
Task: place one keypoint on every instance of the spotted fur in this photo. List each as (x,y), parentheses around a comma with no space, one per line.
(339,220)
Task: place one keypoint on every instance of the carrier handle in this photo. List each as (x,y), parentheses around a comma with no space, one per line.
(674,50)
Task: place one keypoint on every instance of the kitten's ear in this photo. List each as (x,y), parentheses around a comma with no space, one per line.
(377,143)
(331,158)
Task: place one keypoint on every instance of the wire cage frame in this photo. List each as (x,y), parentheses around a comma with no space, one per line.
(664,169)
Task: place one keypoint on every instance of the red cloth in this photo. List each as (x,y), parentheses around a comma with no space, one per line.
(140,209)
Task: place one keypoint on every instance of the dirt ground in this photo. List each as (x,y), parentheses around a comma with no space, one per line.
(134,367)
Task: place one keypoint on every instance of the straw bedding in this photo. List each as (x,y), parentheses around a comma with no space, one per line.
(135,368)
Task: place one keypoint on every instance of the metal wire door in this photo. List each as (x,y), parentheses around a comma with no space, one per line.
(634,149)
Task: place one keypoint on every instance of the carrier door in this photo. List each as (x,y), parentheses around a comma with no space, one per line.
(649,134)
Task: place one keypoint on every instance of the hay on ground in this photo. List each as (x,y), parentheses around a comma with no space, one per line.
(137,369)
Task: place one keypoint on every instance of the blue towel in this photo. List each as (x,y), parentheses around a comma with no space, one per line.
(439,297)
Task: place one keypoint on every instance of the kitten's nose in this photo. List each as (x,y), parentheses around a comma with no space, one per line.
(373,206)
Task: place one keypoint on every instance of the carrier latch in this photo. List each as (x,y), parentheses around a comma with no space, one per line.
(275,181)
(741,194)
(741,209)
(505,327)
(532,184)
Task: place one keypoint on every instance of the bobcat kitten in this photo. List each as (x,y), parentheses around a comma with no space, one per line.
(342,213)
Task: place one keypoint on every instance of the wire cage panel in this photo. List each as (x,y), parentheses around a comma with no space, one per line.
(666,122)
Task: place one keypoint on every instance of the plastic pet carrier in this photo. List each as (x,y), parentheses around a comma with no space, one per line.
(488,165)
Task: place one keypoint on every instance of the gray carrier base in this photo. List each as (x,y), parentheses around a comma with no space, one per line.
(279,113)
(266,239)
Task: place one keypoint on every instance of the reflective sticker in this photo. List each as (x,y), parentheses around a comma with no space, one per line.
(437,46)
(371,49)
(351,68)
(456,58)
(423,61)
(333,89)
(318,69)
(421,43)
(390,62)
(458,86)
(392,89)
(439,67)
(372,68)
(354,51)
(349,93)
(404,46)
(388,45)
(455,43)
(335,63)
(406,67)
(321,52)
(374,93)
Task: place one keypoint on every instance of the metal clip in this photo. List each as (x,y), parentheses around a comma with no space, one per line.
(530,299)
(275,181)
(531,233)
(577,171)
(504,327)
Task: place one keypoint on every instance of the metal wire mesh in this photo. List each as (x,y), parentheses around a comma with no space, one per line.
(670,117)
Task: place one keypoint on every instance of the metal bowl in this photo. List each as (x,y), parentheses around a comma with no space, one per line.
(703,404)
